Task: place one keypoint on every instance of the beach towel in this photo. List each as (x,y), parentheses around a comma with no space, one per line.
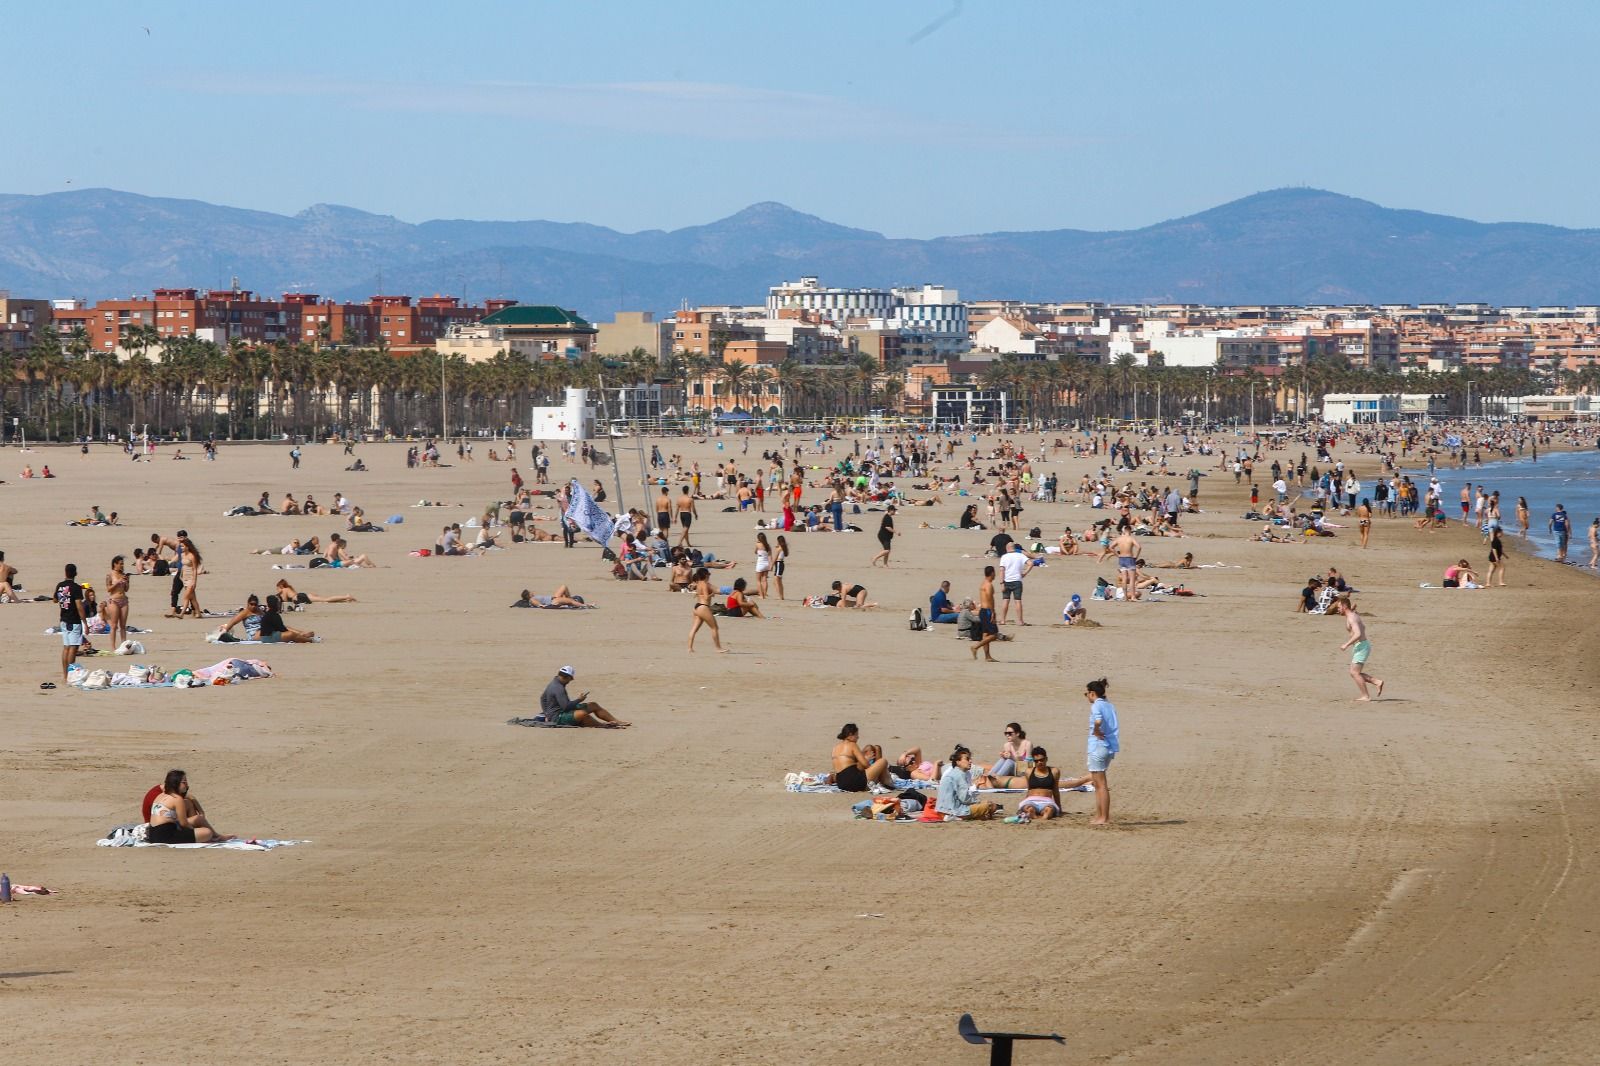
(132,836)
(541,722)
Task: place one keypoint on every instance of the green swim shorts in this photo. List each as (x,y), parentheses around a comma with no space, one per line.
(1359,653)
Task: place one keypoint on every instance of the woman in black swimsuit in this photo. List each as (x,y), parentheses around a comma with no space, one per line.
(853,771)
(177,819)
(1044,789)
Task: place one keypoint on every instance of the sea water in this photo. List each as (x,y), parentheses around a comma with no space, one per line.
(1571,479)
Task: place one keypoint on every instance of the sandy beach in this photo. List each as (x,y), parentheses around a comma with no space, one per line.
(1292,875)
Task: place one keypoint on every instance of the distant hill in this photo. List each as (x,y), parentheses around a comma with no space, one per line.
(1283,246)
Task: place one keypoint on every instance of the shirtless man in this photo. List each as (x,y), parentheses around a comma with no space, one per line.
(686,515)
(664,511)
(338,554)
(985,632)
(1357,629)
(1126,547)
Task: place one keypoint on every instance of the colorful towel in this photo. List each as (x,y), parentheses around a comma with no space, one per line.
(540,722)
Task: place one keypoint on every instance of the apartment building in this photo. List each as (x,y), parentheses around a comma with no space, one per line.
(635,329)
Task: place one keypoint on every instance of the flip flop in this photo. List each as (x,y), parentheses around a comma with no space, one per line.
(47,686)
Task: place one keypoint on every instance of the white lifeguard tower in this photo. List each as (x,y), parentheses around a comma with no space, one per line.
(573,421)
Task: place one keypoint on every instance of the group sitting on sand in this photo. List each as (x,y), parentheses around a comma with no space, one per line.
(1019,766)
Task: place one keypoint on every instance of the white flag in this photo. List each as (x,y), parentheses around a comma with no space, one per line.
(589,516)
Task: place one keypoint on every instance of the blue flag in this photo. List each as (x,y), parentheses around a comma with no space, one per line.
(589,516)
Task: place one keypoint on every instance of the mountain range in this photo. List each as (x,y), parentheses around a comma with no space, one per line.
(1282,246)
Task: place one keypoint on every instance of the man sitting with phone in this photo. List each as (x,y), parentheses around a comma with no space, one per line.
(558,707)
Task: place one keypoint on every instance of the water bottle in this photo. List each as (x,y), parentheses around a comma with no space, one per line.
(5,889)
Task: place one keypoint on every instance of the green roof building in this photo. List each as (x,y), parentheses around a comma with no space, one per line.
(533,331)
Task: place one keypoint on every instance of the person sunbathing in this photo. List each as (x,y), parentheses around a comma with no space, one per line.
(338,555)
(740,605)
(274,630)
(177,818)
(310,506)
(562,597)
(290,595)
(264,505)
(911,766)
(853,769)
(1186,563)
(1461,576)
(1068,542)
(1044,789)
(289,506)
(249,616)
(1266,536)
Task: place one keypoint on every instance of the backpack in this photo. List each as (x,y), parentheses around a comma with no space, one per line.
(918,621)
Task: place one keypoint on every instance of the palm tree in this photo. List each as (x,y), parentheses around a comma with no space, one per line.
(736,374)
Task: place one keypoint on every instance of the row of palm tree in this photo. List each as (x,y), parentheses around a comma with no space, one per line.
(61,388)
(1124,389)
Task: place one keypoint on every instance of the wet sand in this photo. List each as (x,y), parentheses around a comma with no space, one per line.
(1292,876)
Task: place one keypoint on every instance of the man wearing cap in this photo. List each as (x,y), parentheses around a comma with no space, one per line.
(558,707)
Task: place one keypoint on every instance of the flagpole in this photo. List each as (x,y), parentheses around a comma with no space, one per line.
(616,467)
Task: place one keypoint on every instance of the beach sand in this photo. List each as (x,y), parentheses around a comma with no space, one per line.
(1292,875)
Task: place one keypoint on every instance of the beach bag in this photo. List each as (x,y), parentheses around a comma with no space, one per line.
(918,622)
(97,679)
(140,674)
(130,647)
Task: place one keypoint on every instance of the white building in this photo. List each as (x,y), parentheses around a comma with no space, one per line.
(1009,336)
(1360,408)
(933,313)
(830,305)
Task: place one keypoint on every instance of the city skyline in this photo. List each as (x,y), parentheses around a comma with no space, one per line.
(914,120)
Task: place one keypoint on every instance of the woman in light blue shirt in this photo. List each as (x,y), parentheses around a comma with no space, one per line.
(1104,743)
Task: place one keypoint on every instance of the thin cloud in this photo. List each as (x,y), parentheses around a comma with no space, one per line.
(701,110)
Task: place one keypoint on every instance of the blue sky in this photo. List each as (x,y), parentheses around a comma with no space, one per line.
(911,118)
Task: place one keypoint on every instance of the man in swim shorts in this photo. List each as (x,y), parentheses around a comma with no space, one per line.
(1127,549)
(1360,648)
(69,601)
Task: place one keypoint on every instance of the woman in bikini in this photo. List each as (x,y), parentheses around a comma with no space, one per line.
(1044,790)
(703,591)
(177,819)
(1364,521)
(116,607)
(289,595)
(189,602)
(853,769)
(763,563)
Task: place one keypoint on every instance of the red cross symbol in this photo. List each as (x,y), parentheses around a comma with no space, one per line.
(561,425)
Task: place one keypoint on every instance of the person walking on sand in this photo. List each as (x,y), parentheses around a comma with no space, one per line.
(686,516)
(1361,649)
(1594,544)
(1105,740)
(702,609)
(885,537)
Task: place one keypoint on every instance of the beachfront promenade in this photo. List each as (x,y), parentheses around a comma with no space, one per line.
(1291,875)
